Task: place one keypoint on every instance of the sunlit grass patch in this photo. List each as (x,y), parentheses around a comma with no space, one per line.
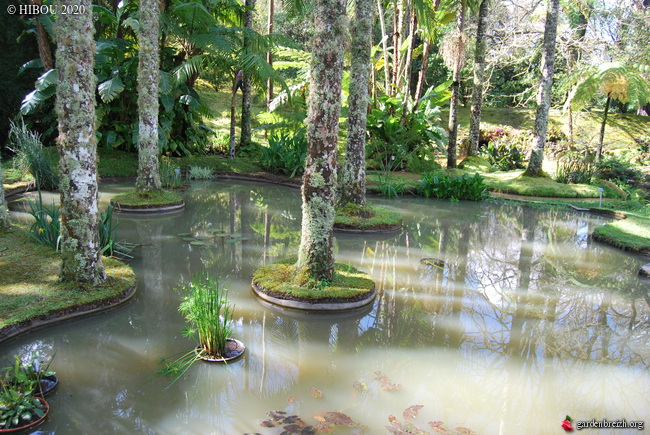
(35,291)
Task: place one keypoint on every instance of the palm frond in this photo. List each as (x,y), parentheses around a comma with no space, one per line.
(182,72)
(34,63)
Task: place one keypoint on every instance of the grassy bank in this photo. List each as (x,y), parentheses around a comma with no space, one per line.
(36,293)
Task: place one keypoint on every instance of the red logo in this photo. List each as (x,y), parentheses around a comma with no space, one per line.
(566,424)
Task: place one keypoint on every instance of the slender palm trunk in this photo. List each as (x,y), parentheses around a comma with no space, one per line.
(233,122)
(75,107)
(354,170)
(455,92)
(316,253)
(384,43)
(148,76)
(544,94)
(247,89)
(479,79)
(422,75)
(408,64)
(599,151)
(44,51)
(4,211)
(269,55)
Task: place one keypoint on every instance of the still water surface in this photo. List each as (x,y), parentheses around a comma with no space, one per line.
(528,320)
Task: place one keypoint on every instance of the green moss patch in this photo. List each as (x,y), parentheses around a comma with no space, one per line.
(146,199)
(35,293)
(281,280)
(369,218)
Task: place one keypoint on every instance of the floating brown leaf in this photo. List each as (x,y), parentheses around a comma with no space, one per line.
(438,427)
(360,385)
(269,423)
(339,419)
(293,428)
(411,412)
(464,430)
(291,399)
(324,427)
(315,393)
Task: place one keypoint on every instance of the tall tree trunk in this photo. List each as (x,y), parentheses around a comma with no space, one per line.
(246,131)
(148,66)
(384,43)
(455,92)
(75,107)
(4,211)
(233,122)
(316,253)
(269,55)
(544,94)
(422,75)
(397,43)
(599,151)
(479,79)
(43,41)
(408,63)
(354,169)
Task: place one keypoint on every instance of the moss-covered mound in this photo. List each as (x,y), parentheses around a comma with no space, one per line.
(281,280)
(369,218)
(33,296)
(146,200)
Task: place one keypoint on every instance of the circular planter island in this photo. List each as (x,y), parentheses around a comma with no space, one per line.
(281,284)
(148,202)
(353,218)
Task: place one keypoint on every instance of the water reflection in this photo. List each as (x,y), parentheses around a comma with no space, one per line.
(521,320)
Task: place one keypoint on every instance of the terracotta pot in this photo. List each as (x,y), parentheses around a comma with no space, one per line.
(32,424)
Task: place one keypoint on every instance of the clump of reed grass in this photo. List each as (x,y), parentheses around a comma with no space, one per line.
(30,155)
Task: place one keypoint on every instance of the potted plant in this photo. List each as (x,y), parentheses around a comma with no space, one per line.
(209,315)
(19,407)
(34,377)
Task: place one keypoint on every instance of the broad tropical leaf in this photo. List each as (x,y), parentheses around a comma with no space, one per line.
(111,89)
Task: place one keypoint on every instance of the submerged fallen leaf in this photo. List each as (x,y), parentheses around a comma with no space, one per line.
(291,399)
(411,412)
(339,419)
(360,385)
(464,430)
(315,393)
(269,423)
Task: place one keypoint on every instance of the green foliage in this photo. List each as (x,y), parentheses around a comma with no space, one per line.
(170,173)
(286,153)
(419,164)
(30,156)
(46,228)
(200,173)
(390,187)
(441,185)
(398,131)
(619,171)
(18,408)
(574,168)
(208,312)
(25,376)
(503,155)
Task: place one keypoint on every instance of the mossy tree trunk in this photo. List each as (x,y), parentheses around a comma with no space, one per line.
(354,169)
(316,254)
(148,66)
(4,211)
(599,150)
(75,107)
(247,90)
(479,79)
(544,94)
(455,92)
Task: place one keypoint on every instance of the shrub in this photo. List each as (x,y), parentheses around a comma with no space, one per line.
(286,153)
(419,164)
(618,170)
(503,155)
(170,174)
(30,156)
(440,185)
(390,187)
(574,168)
(200,173)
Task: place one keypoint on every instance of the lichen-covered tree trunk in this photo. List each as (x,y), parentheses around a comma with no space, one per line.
(544,94)
(316,254)
(354,169)
(148,175)
(4,212)
(269,54)
(384,43)
(75,107)
(455,93)
(246,132)
(479,79)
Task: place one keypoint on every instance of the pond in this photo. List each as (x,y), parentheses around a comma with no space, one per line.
(517,320)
